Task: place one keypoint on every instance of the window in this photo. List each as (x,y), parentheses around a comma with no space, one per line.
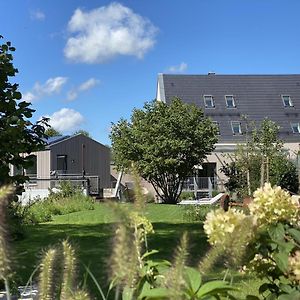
(31,171)
(230,101)
(236,127)
(217,126)
(295,127)
(61,163)
(208,101)
(287,101)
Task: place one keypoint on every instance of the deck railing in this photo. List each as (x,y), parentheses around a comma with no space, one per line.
(200,183)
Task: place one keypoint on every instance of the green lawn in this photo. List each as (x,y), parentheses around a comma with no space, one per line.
(92,231)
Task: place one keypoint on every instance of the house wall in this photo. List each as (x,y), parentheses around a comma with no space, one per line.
(224,153)
(43,168)
(83,153)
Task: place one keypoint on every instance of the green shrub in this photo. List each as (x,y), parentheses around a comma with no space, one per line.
(197,212)
(44,210)
(186,196)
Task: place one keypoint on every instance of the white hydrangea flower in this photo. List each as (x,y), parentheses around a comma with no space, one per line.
(272,205)
(219,224)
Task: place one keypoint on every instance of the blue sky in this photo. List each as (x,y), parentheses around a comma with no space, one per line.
(89,63)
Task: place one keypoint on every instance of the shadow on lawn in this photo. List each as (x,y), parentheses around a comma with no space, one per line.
(94,244)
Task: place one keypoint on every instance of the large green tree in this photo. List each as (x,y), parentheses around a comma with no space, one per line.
(51,132)
(18,135)
(164,142)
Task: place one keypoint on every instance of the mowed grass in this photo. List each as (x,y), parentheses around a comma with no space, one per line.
(92,231)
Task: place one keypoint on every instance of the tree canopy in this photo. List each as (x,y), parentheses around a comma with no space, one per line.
(51,132)
(81,131)
(261,159)
(164,142)
(18,135)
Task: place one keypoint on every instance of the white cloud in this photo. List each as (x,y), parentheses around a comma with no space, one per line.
(37,15)
(86,85)
(66,119)
(100,34)
(72,95)
(178,69)
(90,83)
(28,97)
(50,87)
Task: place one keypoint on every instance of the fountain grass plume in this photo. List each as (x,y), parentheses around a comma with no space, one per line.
(69,271)
(47,282)
(80,295)
(233,248)
(130,239)
(120,256)
(6,193)
(139,197)
(207,263)
(174,279)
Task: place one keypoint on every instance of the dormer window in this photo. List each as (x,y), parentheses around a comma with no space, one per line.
(295,127)
(236,128)
(287,101)
(230,103)
(216,124)
(208,101)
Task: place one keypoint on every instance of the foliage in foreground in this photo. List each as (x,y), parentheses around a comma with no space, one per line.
(133,274)
(165,142)
(268,243)
(19,137)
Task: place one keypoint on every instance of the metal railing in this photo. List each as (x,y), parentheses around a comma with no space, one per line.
(200,183)
(91,183)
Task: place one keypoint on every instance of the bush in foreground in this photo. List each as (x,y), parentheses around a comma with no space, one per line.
(269,246)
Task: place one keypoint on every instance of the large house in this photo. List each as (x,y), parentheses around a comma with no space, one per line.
(78,159)
(226,99)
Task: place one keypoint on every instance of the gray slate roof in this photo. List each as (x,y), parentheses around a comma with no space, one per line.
(257,96)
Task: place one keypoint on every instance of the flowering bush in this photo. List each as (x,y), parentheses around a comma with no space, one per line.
(272,205)
(219,224)
(294,266)
(269,237)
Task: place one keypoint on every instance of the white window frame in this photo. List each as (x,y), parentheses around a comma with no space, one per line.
(216,123)
(290,101)
(298,126)
(240,127)
(212,101)
(233,101)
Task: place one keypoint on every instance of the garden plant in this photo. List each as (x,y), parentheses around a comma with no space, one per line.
(266,241)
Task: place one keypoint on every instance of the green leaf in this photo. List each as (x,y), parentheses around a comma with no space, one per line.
(292,296)
(264,287)
(127,293)
(281,260)
(272,296)
(156,293)
(214,287)
(277,232)
(148,253)
(193,279)
(252,297)
(295,233)
(286,288)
